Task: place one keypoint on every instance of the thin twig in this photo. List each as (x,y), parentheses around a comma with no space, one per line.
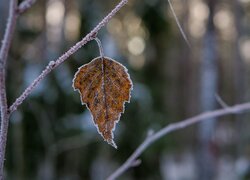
(53,64)
(9,31)
(179,25)
(220,101)
(174,127)
(25,5)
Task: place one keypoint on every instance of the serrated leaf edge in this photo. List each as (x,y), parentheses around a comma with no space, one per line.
(112,143)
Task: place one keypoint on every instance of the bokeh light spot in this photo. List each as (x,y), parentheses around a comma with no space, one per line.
(55,12)
(136,45)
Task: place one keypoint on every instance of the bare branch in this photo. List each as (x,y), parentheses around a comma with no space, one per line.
(174,127)
(3,100)
(25,5)
(8,33)
(53,64)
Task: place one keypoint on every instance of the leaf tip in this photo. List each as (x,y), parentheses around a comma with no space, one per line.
(112,143)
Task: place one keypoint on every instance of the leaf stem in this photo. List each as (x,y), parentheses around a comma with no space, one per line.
(100,47)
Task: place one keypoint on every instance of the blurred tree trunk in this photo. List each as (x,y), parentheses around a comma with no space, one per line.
(4,12)
(209,81)
(185,70)
(46,168)
(239,73)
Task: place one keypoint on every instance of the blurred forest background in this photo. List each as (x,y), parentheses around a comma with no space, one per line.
(52,136)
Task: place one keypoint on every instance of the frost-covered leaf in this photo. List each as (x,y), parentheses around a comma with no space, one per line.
(104,86)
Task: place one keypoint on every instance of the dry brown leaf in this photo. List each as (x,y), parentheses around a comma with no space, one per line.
(104,86)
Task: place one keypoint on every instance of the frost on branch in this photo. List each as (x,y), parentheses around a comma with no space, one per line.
(104,86)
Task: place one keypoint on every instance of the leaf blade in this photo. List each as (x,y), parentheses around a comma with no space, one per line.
(104,86)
